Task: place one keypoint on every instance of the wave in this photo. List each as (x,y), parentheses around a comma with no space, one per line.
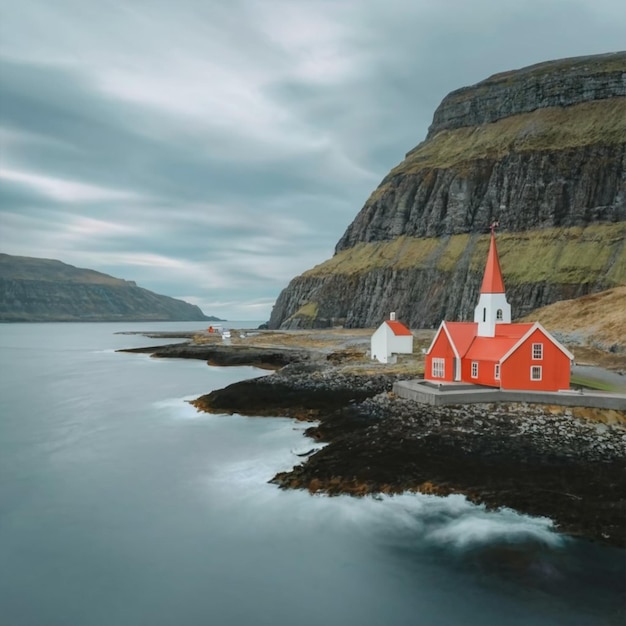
(450,522)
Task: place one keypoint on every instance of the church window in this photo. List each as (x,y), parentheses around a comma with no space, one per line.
(474,369)
(438,368)
(496,371)
(535,372)
(484,314)
(537,351)
(499,315)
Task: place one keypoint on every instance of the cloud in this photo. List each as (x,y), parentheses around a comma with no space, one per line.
(214,150)
(61,189)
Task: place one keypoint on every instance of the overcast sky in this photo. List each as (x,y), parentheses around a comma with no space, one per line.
(211,150)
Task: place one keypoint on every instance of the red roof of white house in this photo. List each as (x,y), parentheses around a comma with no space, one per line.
(492,279)
(398,328)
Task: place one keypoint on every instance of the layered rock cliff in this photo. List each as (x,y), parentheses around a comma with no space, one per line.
(542,150)
(45,290)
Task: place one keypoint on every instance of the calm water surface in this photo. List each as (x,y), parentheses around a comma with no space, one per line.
(121,505)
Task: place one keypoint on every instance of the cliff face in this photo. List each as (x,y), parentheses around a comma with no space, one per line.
(45,290)
(542,150)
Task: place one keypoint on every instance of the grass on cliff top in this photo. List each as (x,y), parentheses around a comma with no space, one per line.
(562,255)
(51,270)
(583,65)
(594,64)
(549,129)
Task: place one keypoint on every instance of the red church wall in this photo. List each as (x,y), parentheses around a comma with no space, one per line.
(486,373)
(555,366)
(442,349)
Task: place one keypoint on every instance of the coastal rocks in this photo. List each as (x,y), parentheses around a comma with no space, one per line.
(306,393)
(540,463)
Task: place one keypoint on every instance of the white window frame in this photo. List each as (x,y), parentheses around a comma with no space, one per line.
(538,370)
(496,371)
(537,351)
(438,368)
(474,369)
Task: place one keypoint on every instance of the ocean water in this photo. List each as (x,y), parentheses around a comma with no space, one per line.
(120,505)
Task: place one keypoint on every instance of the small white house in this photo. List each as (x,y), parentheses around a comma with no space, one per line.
(389,339)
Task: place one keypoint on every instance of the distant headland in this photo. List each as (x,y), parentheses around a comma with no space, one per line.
(46,290)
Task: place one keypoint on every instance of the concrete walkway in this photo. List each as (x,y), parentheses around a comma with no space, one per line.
(459,393)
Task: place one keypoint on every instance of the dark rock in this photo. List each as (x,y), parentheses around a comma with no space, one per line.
(517,456)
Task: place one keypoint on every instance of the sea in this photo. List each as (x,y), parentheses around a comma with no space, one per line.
(121,505)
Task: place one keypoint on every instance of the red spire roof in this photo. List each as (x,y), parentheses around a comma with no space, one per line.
(492,280)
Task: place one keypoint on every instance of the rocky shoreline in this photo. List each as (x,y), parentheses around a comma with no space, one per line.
(224,355)
(539,460)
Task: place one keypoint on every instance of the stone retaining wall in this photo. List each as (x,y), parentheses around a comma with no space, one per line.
(420,391)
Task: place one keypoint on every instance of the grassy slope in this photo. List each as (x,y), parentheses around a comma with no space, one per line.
(559,255)
(599,317)
(602,122)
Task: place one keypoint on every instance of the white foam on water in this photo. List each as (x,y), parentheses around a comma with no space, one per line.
(179,408)
(481,527)
(450,521)
(272,454)
(454,519)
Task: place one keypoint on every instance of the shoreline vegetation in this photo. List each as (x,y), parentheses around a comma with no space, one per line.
(567,464)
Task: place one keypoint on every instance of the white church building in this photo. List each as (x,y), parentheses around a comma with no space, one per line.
(389,339)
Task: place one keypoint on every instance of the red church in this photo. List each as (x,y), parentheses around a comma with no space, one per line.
(494,352)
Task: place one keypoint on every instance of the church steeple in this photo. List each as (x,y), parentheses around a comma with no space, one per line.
(492,306)
(492,280)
